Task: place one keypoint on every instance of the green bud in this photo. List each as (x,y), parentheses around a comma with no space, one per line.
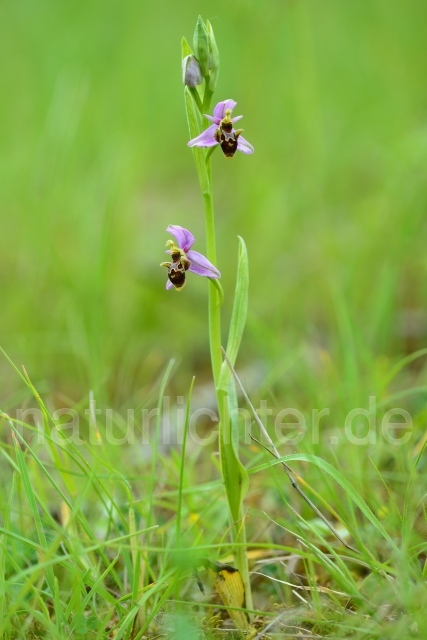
(191,72)
(201,43)
(214,58)
(185,48)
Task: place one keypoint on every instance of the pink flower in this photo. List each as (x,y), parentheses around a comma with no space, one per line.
(222,131)
(185,259)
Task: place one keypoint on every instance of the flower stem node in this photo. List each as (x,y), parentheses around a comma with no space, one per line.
(222,131)
(185,259)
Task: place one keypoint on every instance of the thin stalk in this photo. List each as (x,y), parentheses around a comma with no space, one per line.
(241,556)
(238,527)
(214,298)
(207,99)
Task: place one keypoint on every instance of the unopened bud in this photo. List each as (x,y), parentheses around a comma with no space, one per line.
(214,57)
(202,46)
(191,72)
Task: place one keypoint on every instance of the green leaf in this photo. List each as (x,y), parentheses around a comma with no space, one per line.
(235,475)
(341,480)
(4,546)
(238,317)
(185,48)
(31,497)
(181,472)
(234,419)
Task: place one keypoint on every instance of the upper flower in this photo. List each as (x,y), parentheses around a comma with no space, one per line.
(223,132)
(185,259)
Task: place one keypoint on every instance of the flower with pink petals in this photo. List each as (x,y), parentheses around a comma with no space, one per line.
(222,131)
(185,259)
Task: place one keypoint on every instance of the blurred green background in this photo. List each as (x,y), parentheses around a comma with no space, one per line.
(94,166)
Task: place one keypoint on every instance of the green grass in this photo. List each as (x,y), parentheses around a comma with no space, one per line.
(91,547)
(98,540)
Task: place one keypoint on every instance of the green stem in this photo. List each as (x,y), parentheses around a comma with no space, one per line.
(214,298)
(207,99)
(238,529)
(241,556)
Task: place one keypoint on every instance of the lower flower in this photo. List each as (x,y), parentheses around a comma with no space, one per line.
(185,259)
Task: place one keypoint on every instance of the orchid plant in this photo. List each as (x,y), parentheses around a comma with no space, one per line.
(200,75)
